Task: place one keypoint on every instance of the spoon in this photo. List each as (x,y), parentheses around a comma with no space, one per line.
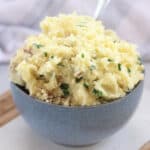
(100,6)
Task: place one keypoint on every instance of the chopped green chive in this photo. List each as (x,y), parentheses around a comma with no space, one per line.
(119,67)
(78,79)
(45,54)
(82,55)
(65,89)
(38,45)
(92,67)
(52,56)
(64,86)
(129,70)
(83,22)
(110,60)
(86,85)
(66,45)
(61,64)
(97,93)
(81,25)
(139,60)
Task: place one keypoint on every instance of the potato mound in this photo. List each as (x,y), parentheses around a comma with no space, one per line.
(75,61)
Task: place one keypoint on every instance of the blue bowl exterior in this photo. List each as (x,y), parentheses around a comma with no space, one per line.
(76,126)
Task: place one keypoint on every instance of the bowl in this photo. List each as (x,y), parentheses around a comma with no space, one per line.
(78,125)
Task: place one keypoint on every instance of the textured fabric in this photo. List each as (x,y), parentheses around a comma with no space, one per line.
(18,19)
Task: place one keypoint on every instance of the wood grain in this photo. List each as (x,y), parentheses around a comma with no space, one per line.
(146,146)
(8,109)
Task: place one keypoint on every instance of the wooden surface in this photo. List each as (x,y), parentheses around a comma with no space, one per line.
(146,146)
(8,109)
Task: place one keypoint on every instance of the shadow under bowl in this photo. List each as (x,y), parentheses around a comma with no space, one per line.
(76,126)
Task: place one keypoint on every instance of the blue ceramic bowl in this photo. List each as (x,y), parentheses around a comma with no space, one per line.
(76,126)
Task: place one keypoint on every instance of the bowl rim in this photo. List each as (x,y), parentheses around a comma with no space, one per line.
(117,100)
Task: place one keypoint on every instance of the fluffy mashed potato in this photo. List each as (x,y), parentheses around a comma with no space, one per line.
(75,61)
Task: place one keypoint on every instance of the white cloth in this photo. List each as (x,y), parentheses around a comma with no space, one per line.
(130,19)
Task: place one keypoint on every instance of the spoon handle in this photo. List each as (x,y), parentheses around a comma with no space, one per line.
(100,5)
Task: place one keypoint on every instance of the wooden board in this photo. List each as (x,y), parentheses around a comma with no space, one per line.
(8,109)
(146,146)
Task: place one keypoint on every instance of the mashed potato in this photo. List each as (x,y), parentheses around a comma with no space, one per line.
(76,61)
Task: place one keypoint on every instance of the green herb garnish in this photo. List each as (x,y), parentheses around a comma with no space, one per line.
(78,79)
(65,89)
(92,67)
(139,60)
(119,67)
(52,56)
(81,25)
(110,60)
(97,93)
(61,64)
(86,85)
(38,45)
(82,55)
(66,45)
(129,70)
(45,54)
